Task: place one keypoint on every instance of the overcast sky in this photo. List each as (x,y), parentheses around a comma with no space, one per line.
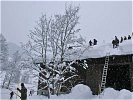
(98,19)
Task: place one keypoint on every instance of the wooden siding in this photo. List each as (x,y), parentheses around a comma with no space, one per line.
(94,71)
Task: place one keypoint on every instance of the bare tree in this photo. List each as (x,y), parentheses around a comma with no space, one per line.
(13,68)
(66,29)
(63,32)
(39,38)
(52,37)
(37,47)
(3,53)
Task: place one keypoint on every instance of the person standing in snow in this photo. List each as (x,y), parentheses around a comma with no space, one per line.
(129,37)
(116,41)
(95,41)
(23,92)
(113,42)
(125,38)
(90,42)
(11,95)
(31,92)
(121,40)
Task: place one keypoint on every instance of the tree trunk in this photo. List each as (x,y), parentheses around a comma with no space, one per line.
(4,80)
(48,90)
(3,83)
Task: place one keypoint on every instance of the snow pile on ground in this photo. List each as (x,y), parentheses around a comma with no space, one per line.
(78,92)
(125,94)
(83,92)
(110,93)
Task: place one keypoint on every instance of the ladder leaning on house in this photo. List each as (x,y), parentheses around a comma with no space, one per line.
(104,74)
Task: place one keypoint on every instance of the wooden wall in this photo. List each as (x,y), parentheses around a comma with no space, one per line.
(94,71)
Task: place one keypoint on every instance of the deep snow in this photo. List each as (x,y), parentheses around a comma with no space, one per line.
(78,92)
(100,50)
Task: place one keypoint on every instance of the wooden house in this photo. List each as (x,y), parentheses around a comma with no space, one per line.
(119,75)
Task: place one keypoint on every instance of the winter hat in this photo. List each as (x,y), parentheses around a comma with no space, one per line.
(22,84)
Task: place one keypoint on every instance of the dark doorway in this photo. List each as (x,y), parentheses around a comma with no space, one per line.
(118,77)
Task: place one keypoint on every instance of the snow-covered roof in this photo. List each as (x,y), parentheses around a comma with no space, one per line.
(100,50)
(96,51)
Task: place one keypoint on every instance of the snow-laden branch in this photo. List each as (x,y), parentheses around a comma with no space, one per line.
(69,78)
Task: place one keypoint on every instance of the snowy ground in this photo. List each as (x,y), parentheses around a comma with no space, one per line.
(78,92)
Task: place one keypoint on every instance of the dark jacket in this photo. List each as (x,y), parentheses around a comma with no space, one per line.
(23,92)
(11,95)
